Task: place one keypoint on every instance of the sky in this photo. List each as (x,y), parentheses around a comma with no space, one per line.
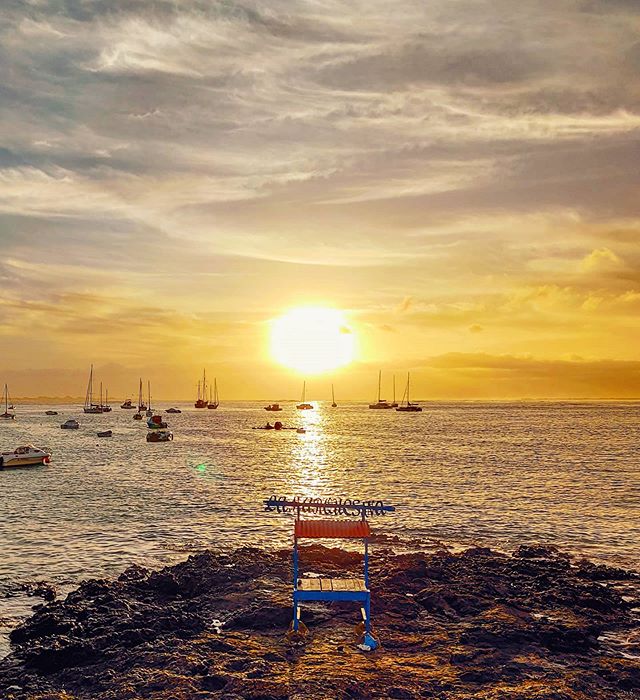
(459,177)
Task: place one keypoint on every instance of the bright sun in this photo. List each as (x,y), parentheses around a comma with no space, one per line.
(312,340)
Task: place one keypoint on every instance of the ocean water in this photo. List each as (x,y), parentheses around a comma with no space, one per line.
(495,474)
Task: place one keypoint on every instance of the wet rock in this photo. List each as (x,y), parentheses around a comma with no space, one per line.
(452,626)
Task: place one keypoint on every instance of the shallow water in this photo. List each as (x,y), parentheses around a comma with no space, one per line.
(496,474)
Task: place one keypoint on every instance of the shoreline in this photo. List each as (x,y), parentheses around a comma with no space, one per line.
(471,624)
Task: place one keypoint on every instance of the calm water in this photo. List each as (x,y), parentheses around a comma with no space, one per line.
(487,473)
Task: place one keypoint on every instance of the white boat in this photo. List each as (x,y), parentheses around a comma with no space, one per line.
(89,406)
(408,407)
(105,406)
(215,401)
(159,436)
(394,403)
(380,404)
(138,414)
(6,415)
(149,412)
(27,456)
(303,405)
(71,424)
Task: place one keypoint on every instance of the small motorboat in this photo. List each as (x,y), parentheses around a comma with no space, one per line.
(156,423)
(273,407)
(173,410)
(71,424)
(301,431)
(137,416)
(105,433)
(27,456)
(159,436)
(51,413)
(127,404)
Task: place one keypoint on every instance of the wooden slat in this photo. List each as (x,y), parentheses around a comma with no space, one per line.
(340,585)
(326,584)
(309,584)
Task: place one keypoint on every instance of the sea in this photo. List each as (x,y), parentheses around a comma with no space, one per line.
(459,473)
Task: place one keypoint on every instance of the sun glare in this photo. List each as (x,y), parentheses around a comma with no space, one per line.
(312,340)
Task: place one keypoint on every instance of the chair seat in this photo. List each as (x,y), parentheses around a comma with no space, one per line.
(331,584)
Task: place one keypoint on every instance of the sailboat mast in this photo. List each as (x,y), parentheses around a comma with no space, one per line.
(215,391)
(149,393)
(101,393)
(408,401)
(88,399)
(304,390)
(394,388)
(6,399)
(204,384)
(333,396)
(379,382)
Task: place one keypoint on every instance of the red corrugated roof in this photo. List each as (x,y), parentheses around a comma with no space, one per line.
(338,529)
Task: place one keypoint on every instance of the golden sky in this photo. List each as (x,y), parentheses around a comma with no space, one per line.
(459,177)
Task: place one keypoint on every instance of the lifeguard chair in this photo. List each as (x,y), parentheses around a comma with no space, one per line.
(331,589)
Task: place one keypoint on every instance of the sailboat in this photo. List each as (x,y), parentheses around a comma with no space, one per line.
(89,406)
(201,401)
(138,414)
(216,401)
(105,406)
(149,412)
(6,415)
(303,406)
(380,403)
(333,398)
(394,403)
(408,407)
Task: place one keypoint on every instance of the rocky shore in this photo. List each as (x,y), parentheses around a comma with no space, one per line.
(533,625)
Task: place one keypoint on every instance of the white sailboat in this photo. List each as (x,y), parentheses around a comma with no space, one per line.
(6,415)
(149,412)
(394,403)
(408,407)
(89,406)
(215,401)
(138,414)
(303,405)
(380,404)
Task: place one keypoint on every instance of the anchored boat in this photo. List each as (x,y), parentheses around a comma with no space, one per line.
(6,415)
(380,404)
(303,405)
(273,407)
(71,424)
(138,414)
(216,401)
(408,407)
(27,456)
(127,404)
(159,436)
(89,406)
(201,401)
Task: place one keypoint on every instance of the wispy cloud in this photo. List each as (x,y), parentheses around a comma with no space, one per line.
(177,160)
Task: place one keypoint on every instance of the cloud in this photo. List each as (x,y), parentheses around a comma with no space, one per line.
(173,161)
